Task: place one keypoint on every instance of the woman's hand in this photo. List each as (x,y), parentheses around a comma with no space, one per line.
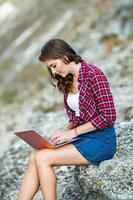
(64,135)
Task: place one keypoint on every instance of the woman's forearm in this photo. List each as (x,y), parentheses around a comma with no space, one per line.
(68,127)
(84,128)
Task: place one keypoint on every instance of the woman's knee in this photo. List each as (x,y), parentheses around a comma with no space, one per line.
(31,159)
(42,157)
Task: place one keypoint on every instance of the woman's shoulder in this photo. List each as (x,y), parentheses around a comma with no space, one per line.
(91,70)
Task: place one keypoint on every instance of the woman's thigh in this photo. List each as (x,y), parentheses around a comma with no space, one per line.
(64,155)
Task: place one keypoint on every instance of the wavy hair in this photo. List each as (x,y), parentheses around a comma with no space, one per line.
(57,49)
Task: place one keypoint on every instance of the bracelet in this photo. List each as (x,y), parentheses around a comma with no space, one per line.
(76,132)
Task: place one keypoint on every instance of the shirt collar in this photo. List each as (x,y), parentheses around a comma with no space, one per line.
(82,70)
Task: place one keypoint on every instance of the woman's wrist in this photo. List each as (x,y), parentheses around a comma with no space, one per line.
(76,132)
(68,127)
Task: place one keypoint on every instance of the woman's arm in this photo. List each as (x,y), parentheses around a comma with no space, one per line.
(73,132)
(69,126)
(84,128)
(104,100)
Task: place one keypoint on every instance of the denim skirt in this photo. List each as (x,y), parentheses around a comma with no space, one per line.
(97,146)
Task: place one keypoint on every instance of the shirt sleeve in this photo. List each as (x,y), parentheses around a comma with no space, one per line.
(106,114)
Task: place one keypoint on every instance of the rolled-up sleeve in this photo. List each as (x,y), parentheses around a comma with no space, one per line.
(102,94)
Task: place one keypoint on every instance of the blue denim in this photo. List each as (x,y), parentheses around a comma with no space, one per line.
(97,146)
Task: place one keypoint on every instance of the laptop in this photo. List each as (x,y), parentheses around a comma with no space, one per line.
(38,142)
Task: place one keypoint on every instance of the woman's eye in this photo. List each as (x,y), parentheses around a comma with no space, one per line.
(54,66)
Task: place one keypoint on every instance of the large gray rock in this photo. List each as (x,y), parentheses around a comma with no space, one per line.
(111,180)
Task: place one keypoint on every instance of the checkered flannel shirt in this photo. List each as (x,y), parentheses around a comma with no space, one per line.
(96,103)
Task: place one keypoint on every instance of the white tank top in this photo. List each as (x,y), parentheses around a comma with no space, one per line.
(73,102)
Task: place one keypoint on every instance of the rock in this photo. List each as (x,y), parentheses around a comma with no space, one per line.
(112,179)
(118,21)
(15,159)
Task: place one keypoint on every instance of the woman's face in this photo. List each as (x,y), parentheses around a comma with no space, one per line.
(57,66)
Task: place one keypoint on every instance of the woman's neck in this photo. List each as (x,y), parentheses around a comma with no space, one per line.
(75,70)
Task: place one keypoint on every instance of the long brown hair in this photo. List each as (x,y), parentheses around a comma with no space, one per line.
(57,49)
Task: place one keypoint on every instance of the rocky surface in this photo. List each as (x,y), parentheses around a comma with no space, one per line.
(14,161)
(113,179)
(102,36)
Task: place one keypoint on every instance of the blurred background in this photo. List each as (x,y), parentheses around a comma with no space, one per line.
(100,31)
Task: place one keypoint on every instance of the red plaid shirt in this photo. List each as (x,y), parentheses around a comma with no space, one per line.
(96,103)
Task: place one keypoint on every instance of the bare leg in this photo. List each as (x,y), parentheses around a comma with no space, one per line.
(47,158)
(30,183)
(48,181)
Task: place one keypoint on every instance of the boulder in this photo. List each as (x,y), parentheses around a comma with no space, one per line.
(112,179)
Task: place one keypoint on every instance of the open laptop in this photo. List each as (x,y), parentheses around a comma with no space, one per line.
(38,142)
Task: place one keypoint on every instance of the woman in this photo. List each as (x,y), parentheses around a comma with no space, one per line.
(91,111)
